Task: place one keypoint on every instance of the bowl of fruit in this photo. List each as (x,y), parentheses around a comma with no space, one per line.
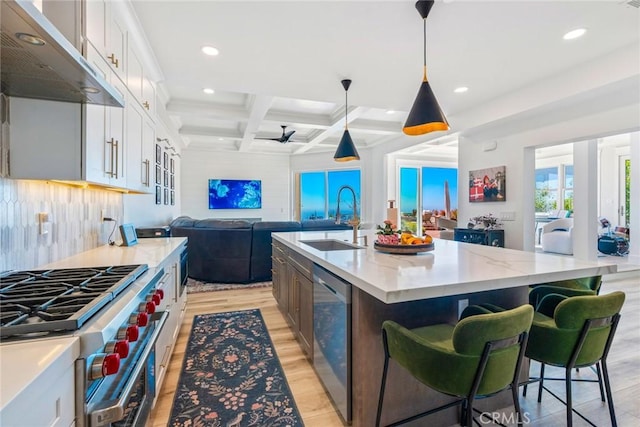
(392,241)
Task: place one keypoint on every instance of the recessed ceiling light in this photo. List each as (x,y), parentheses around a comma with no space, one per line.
(90,89)
(220,139)
(574,34)
(461,89)
(30,38)
(208,91)
(210,50)
(390,111)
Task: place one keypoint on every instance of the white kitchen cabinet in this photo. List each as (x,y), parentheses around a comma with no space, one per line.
(106,31)
(41,391)
(104,133)
(138,81)
(139,140)
(175,300)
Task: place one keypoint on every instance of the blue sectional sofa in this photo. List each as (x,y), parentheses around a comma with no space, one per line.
(235,251)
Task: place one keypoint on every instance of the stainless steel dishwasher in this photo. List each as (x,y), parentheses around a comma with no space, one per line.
(332,337)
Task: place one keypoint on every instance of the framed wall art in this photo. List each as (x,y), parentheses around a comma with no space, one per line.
(158,195)
(173,198)
(158,154)
(488,185)
(166,178)
(166,196)
(166,160)
(172,168)
(158,174)
(173,182)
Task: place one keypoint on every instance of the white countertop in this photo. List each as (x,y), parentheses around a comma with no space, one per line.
(452,268)
(150,251)
(25,365)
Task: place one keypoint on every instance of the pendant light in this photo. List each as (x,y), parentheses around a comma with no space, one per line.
(426,115)
(346,149)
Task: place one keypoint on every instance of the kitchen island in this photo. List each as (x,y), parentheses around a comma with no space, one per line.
(417,290)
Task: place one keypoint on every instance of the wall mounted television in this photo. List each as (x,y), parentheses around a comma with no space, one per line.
(235,194)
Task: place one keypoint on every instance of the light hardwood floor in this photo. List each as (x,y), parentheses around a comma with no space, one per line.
(317,411)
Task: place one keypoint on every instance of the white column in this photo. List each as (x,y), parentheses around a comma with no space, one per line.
(528,199)
(634,212)
(585,194)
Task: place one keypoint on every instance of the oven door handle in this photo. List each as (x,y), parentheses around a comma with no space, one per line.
(116,412)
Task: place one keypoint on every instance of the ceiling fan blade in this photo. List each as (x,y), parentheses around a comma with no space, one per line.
(287,135)
(270,139)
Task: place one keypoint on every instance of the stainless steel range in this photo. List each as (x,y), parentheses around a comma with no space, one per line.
(112,310)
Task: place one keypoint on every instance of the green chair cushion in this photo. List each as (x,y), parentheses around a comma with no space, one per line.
(432,353)
(591,283)
(552,339)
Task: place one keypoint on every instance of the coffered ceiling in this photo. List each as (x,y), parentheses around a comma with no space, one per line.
(281,63)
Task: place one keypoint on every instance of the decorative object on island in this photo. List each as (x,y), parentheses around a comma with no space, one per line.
(393,241)
(425,115)
(388,234)
(488,185)
(346,149)
(392,212)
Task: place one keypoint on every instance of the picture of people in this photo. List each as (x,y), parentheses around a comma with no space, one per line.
(488,185)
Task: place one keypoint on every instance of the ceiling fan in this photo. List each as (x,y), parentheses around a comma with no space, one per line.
(285,135)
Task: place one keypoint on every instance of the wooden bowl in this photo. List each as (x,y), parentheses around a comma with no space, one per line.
(403,249)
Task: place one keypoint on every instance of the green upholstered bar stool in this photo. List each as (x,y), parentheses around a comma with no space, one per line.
(480,356)
(575,332)
(569,287)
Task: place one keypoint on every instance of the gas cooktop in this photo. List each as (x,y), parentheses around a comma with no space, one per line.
(42,302)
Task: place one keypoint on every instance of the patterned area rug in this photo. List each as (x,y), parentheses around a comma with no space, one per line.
(231,376)
(194,286)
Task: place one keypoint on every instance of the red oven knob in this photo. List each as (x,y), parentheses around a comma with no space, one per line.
(140,319)
(143,319)
(154,298)
(160,293)
(147,307)
(133,333)
(104,364)
(120,347)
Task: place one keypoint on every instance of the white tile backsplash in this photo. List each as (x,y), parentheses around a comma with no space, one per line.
(74,221)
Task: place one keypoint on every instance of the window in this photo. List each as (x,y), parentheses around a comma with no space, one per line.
(627,191)
(313,198)
(547,189)
(568,188)
(319,194)
(408,199)
(431,196)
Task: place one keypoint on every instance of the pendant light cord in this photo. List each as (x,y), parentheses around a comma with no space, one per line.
(424,44)
(346,108)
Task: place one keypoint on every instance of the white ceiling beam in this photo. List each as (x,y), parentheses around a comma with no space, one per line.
(336,126)
(259,107)
(313,121)
(376,127)
(207,110)
(196,131)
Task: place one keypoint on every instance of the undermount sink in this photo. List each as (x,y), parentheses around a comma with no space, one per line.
(330,245)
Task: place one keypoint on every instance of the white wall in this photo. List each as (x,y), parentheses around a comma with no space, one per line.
(201,165)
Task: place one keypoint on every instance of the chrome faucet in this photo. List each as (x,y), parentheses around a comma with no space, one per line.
(355,222)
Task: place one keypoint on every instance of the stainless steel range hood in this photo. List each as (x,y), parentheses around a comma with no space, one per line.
(37,61)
